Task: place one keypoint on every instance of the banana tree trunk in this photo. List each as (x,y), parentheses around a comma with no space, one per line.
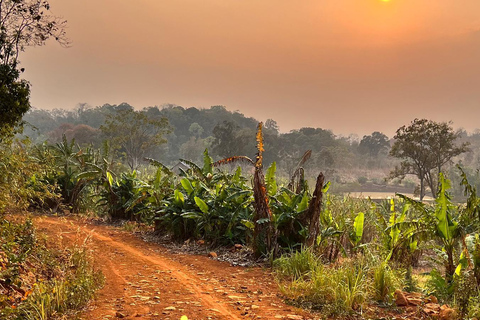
(312,216)
(264,237)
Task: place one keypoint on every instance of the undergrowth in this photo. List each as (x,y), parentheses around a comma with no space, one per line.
(40,283)
(339,289)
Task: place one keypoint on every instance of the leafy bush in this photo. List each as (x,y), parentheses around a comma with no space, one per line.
(19,183)
(124,197)
(362,180)
(439,286)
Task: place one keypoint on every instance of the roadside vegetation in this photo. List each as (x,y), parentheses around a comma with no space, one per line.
(332,253)
(38,281)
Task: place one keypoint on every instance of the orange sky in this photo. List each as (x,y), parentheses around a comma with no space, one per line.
(353,66)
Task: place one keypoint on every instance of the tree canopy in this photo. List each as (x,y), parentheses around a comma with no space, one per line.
(14,99)
(374,144)
(134,134)
(23,23)
(425,147)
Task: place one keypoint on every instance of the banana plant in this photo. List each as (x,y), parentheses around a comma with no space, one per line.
(124,197)
(445,223)
(402,234)
(70,169)
(357,233)
(208,204)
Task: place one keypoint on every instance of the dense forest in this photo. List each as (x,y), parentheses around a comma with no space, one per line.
(354,163)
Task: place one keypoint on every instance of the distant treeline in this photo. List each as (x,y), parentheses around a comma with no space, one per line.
(226,133)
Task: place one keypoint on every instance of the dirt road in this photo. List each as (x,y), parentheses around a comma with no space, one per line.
(146,281)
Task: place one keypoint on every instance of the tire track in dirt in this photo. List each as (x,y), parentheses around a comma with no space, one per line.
(144,281)
(190,281)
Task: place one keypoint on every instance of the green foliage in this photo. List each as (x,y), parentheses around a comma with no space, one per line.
(385,281)
(270,180)
(215,206)
(63,296)
(287,207)
(72,170)
(473,310)
(23,23)
(445,223)
(124,197)
(439,286)
(14,98)
(358,228)
(20,178)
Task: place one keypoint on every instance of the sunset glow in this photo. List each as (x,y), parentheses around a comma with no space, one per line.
(328,56)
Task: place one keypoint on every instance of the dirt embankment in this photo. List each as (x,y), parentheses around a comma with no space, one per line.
(146,281)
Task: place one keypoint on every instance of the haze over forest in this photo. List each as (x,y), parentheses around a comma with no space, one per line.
(335,143)
(349,66)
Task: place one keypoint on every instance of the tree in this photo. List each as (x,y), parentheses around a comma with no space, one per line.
(82,134)
(425,147)
(23,23)
(14,99)
(225,144)
(134,134)
(272,126)
(374,144)
(196,130)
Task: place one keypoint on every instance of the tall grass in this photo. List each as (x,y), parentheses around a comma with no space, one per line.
(336,290)
(63,296)
(385,282)
(297,265)
(64,281)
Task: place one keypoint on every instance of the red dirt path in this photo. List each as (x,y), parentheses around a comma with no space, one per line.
(145,281)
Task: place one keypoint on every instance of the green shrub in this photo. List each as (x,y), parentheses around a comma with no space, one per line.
(465,287)
(362,180)
(439,286)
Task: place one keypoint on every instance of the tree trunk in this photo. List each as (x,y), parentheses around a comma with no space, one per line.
(450,266)
(312,217)
(264,237)
(422,185)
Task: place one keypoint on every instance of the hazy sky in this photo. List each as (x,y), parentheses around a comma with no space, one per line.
(352,66)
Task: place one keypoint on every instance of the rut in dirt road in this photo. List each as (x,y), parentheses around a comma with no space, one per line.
(145,281)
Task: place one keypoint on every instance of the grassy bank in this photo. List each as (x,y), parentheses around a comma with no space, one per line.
(38,281)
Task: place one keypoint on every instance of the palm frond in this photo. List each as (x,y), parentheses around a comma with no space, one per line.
(157,164)
(306,156)
(235,159)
